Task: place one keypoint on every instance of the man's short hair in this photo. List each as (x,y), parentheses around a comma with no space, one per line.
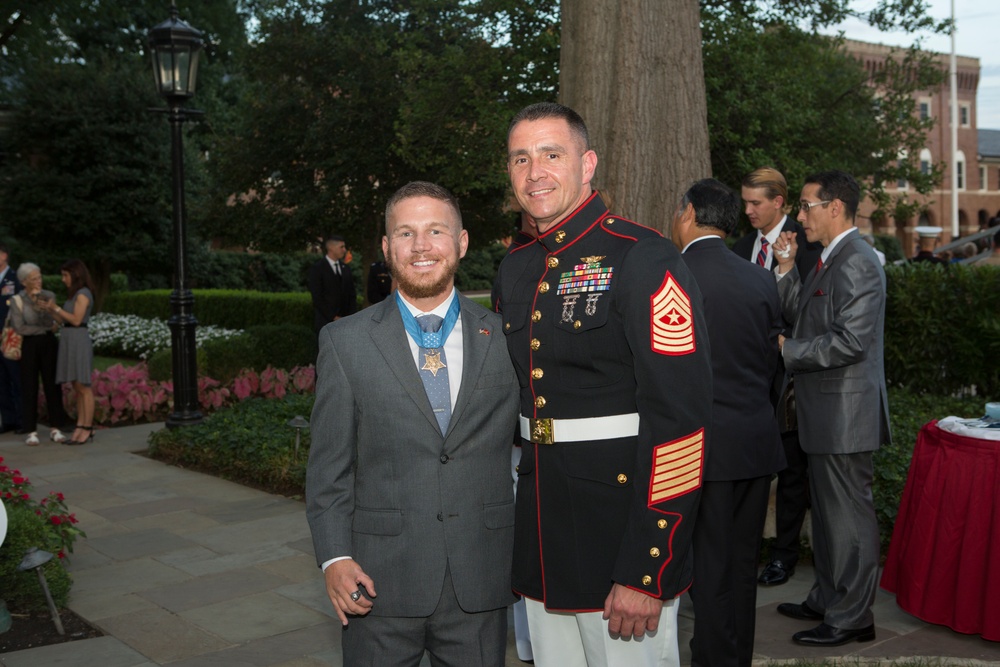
(770,180)
(542,110)
(422,189)
(836,184)
(715,205)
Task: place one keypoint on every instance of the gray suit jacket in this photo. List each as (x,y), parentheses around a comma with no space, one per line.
(386,488)
(835,350)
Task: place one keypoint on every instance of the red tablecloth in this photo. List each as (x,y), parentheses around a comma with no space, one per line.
(944,557)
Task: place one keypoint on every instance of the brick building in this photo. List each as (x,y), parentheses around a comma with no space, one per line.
(978,158)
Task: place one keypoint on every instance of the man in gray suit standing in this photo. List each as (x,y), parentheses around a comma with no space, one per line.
(835,355)
(408,490)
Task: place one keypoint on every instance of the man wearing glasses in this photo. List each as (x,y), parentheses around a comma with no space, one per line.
(835,356)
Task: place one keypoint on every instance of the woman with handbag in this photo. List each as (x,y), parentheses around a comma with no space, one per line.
(30,318)
(76,351)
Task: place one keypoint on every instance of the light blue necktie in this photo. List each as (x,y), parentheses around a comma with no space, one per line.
(434,373)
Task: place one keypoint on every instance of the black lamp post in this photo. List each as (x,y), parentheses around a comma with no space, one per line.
(175,46)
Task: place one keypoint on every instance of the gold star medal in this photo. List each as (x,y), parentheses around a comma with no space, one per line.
(432,362)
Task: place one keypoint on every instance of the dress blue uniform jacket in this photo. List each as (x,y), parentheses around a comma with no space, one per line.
(602,317)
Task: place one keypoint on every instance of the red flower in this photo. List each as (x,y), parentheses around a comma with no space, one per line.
(61,554)
(18,479)
(56,520)
(60,496)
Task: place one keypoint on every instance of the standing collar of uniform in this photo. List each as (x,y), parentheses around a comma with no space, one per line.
(575,225)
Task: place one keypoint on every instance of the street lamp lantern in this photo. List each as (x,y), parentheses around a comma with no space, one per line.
(175,46)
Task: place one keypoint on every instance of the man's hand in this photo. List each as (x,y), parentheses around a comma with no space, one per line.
(630,613)
(785,247)
(343,578)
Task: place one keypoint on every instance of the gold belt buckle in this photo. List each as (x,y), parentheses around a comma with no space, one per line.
(541,431)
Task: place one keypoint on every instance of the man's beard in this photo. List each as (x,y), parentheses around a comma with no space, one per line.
(424,289)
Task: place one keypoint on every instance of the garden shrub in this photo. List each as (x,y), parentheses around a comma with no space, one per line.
(224,359)
(249,443)
(890,246)
(21,590)
(161,364)
(283,346)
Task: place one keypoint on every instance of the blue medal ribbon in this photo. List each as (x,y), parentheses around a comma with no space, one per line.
(424,338)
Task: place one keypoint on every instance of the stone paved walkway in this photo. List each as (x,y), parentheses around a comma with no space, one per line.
(184,569)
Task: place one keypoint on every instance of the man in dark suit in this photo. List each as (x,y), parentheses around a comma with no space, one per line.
(10,375)
(331,284)
(835,355)
(765,195)
(408,490)
(744,450)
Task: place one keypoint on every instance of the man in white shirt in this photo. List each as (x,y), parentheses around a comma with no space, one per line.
(408,492)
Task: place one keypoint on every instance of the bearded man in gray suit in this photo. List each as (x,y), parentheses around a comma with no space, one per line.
(835,355)
(408,490)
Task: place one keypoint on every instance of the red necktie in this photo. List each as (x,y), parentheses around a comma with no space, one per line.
(819,265)
(762,255)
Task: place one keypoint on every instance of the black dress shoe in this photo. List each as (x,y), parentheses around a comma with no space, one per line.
(7,428)
(775,573)
(800,612)
(827,635)
(23,431)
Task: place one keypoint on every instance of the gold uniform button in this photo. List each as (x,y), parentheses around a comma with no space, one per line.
(540,402)
(622,478)
(647,580)
(535,344)
(543,288)
(553,262)
(577,324)
(507,326)
(654,552)
(537,373)
(535,316)
(560,236)
(661,524)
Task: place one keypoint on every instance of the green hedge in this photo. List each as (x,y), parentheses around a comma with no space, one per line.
(942,328)
(233,309)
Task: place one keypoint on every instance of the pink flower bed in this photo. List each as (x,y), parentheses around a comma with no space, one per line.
(126,395)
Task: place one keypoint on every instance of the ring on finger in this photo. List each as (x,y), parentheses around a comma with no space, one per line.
(356,595)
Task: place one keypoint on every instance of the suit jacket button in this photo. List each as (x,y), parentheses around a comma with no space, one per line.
(444,458)
(647,580)
(440,516)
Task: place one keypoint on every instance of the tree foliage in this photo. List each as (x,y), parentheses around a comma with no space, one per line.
(345,101)
(784,97)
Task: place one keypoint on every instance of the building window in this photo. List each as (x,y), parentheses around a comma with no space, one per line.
(983,179)
(925,162)
(925,109)
(960,169)
(963,115)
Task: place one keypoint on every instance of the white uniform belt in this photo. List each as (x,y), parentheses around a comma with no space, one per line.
(550,431)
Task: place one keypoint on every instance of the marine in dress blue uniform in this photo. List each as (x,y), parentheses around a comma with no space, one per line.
(604,325)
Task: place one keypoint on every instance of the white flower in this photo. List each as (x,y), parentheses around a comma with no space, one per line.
(138,337)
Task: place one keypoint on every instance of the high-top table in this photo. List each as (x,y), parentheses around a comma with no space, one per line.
(944,557)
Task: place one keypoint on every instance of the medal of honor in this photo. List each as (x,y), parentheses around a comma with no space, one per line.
(432,362)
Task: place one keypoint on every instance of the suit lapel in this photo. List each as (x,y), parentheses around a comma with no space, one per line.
(813,283)
(474,347)
(390,338)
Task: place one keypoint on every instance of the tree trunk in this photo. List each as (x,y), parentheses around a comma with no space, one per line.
(633,70)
